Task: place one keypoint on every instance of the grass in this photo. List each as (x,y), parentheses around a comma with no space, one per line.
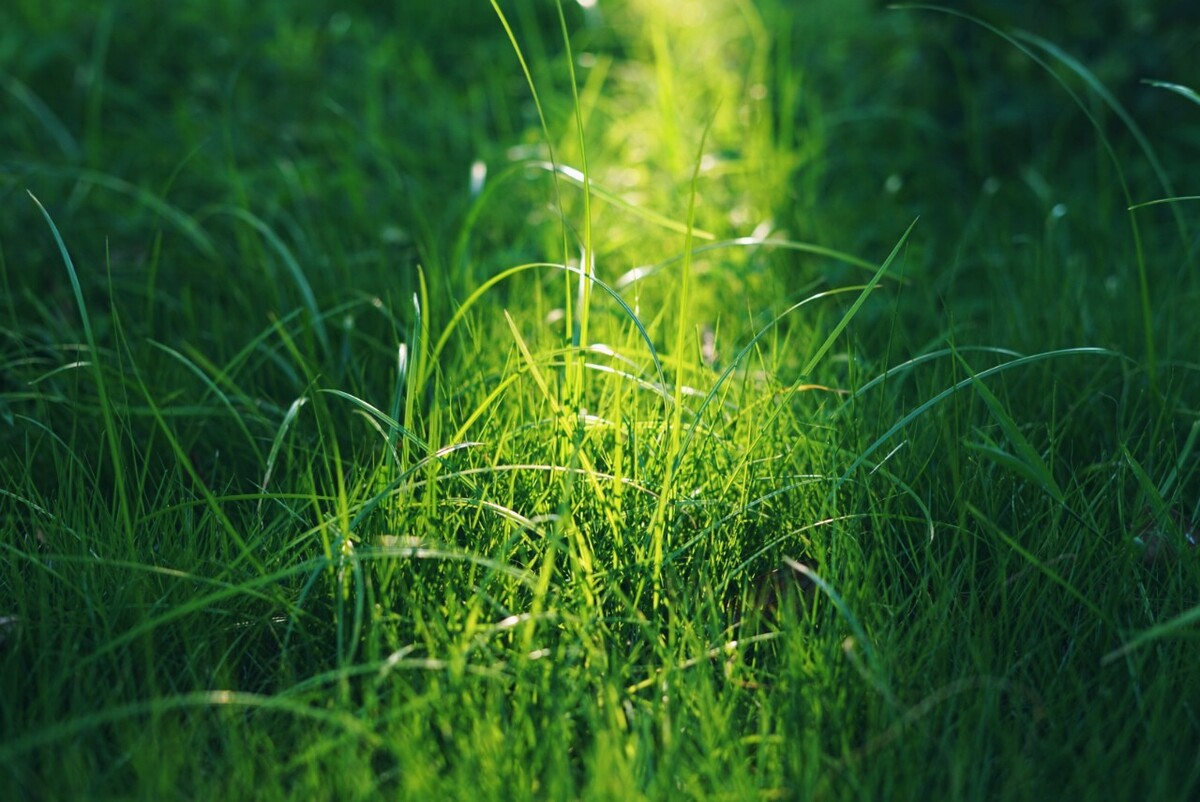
(535,400)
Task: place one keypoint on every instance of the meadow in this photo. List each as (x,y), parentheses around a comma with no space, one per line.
(630,399)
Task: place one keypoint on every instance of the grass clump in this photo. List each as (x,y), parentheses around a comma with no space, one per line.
(562,402)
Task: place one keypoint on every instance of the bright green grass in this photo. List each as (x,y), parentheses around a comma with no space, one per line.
(673,460)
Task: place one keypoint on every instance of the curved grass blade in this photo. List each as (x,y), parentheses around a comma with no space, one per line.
(482,290)
(186,225)
(289,261)
(949,391)
(195,369)
(277,443)
(1040,565)
(537,103)
(106,408)
(382,417)
(71,728)
(1185,619)
(872,671)
(639,273)
(858,302)
(1177,199)
(1179,89)
(1027,461)
(49,120)
(1102,92)
(908,365)
(580,179)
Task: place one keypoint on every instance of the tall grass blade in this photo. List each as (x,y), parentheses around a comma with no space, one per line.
(44,115)
(816,358)
(1167,628)
(1040,565)
(1102,92)
(1027,461)
(277,444)
(107,413)
(293,267)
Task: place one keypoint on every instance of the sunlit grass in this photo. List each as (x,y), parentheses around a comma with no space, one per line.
(371,430)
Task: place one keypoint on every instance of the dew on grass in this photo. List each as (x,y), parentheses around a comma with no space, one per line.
(478,176)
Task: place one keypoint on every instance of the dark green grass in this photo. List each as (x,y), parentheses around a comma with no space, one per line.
(323,476)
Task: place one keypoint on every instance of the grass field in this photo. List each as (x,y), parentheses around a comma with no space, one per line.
(637,399)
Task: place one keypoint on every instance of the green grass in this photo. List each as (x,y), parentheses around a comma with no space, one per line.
(795,409)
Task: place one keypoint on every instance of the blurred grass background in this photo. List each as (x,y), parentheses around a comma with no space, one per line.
(247,191)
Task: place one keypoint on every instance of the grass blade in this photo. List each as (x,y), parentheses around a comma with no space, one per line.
(1179,89)
(942,396)
(858,302)
(106,408)
(1027,461)
(1157,632)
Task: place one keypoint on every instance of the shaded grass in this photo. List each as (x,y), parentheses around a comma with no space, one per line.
(299,518)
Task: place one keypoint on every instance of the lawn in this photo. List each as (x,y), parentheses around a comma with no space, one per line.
(632,399)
